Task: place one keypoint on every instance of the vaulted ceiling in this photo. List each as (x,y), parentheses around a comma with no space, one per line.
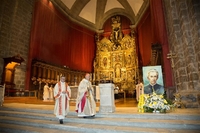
(93,13)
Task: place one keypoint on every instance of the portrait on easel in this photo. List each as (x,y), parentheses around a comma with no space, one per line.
(153,80)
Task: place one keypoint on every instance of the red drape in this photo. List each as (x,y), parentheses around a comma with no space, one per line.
(144,38)
(152,29)
(57,40)
(159,34)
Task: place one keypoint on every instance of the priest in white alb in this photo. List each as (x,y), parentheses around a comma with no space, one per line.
(85,104)
(62,94)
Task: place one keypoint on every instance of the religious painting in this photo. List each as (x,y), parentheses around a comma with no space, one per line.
(153,80)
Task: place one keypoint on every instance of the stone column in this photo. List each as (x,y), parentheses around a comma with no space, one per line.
(107,101)
(183,38)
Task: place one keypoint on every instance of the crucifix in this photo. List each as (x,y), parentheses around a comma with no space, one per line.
(171,56)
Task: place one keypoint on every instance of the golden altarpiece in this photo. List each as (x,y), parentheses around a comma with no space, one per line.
(116,58)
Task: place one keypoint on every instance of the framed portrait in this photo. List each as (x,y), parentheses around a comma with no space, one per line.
(153,79)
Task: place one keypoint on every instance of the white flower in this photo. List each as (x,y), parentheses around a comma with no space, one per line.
(155,101)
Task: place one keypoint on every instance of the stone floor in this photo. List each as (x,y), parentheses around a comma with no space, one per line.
(127,106)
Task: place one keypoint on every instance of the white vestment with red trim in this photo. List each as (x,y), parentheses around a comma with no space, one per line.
(61,107)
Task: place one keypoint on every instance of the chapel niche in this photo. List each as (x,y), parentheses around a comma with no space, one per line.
(116,58)
(8,75)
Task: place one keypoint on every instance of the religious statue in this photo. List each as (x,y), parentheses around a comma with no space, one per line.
(111,75)
(104,61)
(118,71)
(117,57)
(128,60)
(116,29)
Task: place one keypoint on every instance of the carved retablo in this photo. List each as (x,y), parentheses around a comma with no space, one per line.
(116,58)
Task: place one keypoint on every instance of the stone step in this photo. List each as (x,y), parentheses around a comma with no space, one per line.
(162,116)
(151,123)
(15,128)
(45,119)
(36,125)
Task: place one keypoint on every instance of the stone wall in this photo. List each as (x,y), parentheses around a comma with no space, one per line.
(15,27)
(182,20)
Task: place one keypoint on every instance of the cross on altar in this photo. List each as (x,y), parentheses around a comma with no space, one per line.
(171,56)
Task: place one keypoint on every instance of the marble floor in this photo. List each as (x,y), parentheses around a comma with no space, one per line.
(127,102)
(128,105)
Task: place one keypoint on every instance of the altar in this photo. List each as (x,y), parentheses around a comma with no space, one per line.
(121,94)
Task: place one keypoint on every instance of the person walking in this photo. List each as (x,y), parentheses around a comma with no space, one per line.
(85,104)
(62,94)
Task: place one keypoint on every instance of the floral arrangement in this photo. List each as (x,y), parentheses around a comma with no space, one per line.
(141,104)
(152,102)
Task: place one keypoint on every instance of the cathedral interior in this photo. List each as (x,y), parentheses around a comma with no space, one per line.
(110,39)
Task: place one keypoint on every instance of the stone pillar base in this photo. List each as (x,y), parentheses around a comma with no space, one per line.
(190,99)
(106,109)
(107,101)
